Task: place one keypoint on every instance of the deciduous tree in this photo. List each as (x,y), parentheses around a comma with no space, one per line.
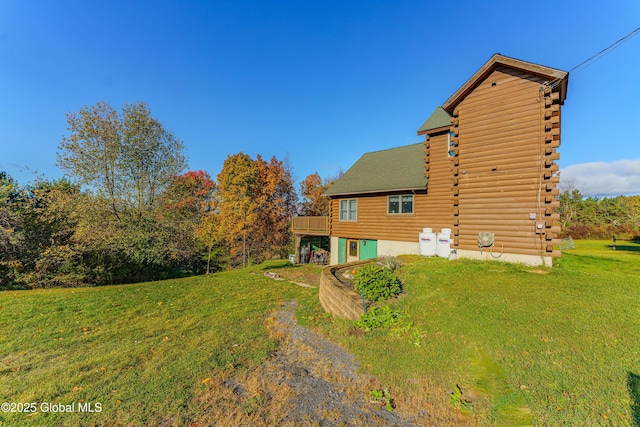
(279,199)
(598,218)
(188,196)
(92,151)
(150,156)
(8,217)
(238,205)
(255,200)
(11,237)
(208,233)
(127,157)
(313,202)
(188,208)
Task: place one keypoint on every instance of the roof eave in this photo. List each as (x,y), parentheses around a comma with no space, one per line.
(390,190)
(563,88)
(497,59)
(434,131)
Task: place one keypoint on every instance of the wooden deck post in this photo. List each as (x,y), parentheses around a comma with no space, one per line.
(296,243)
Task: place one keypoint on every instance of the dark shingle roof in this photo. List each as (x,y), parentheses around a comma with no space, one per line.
(395,169)
(439,118)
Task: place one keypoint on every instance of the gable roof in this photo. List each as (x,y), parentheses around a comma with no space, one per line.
(395,169)
(559,77)
(438,119)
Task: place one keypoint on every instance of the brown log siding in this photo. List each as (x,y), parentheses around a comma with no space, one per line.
(376,224)
(507,130)
(438,168)
(500,178)
(430,210)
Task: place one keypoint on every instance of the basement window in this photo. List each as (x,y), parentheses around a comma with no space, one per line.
(348,210)
(401,204)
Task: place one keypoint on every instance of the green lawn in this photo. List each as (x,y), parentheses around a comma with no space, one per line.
(526,345)
(141,351)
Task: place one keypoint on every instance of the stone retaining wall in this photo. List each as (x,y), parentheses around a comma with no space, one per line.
(337,299)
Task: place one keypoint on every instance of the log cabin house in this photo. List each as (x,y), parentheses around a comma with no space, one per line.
(485,169)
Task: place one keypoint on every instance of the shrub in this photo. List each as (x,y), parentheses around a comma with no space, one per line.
(378,317)
(599,231)
(379,283)
(390,262)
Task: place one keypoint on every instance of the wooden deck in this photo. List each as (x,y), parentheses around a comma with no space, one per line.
(310,225)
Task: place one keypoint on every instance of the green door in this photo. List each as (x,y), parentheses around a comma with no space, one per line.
(368,249)
(342,250)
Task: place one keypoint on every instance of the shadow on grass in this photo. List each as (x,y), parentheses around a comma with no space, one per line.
(633,384)
(278,263)
(626,248)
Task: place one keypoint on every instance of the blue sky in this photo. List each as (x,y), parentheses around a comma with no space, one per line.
(318,81)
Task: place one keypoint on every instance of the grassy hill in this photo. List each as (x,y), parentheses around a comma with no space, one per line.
(145,353)
(525,345)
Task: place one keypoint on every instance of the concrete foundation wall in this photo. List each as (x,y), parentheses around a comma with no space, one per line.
(532,260)
(385,248)
(394,248)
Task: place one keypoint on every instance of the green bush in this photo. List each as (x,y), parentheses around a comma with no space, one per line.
(379,283)
(378,317)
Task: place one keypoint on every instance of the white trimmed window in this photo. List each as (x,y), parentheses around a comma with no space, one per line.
(348,210)
(401,204)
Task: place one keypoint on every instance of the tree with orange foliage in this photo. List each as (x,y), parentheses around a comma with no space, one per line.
(255,202)
(238,186)
(188,195)
(188,204)
(278,204)
(314,203)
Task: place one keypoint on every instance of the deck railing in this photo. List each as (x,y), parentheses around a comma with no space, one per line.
(310,225)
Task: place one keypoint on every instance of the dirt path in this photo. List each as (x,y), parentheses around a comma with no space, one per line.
(326,387)
(308,382)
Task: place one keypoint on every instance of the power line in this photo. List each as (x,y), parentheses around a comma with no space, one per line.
(604,51)
(593,59)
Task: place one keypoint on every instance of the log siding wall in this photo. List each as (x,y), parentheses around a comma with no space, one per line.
(438,167)
(374,223)
(506,131)
(432,209)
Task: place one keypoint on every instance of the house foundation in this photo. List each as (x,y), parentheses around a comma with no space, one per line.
(487,255)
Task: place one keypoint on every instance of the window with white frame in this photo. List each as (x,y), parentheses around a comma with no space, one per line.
(400,204)
(348,210)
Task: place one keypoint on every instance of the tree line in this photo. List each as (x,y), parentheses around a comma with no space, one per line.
(599,218)
(128,210)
